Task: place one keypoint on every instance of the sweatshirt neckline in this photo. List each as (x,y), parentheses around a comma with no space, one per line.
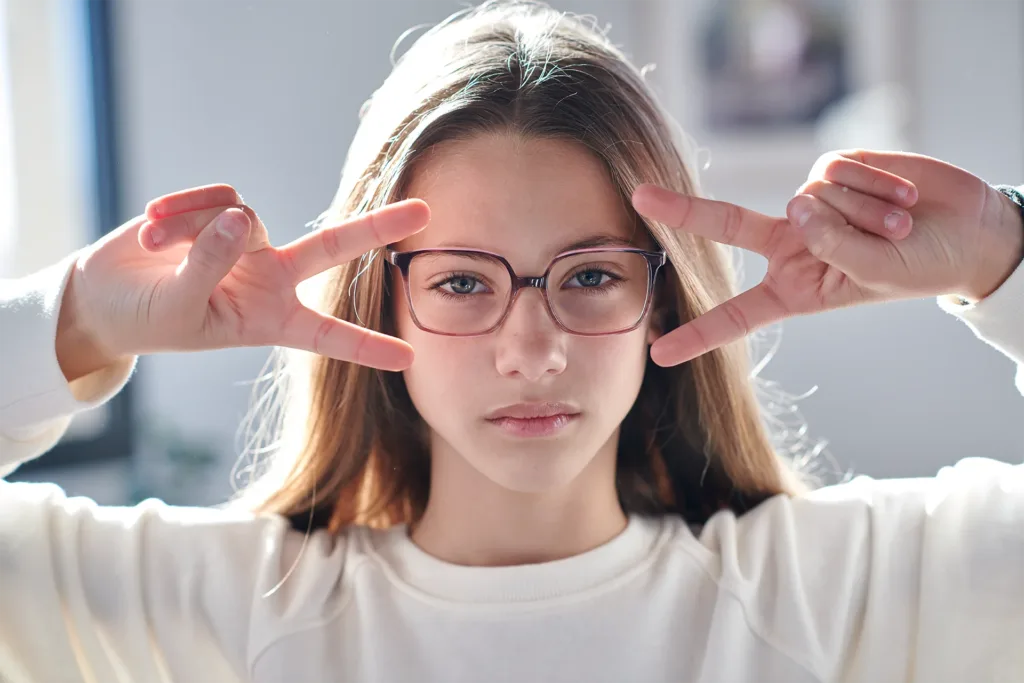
(412,566)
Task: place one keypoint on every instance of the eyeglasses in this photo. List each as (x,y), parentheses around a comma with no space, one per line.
(468,292)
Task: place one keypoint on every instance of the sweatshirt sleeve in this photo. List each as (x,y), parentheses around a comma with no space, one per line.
(895,580)
(942,596)
(144,593)
(36,401)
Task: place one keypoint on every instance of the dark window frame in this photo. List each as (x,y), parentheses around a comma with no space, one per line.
(116,441)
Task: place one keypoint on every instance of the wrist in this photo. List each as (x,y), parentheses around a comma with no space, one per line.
(1005,251)
(79,352)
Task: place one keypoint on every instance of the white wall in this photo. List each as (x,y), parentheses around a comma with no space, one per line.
(264,95)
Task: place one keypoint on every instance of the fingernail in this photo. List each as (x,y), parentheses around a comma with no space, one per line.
(229,226)
(803,214)
(903,192)
(892,221)
(156,236)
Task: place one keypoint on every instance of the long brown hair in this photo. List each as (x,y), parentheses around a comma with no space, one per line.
(342,444)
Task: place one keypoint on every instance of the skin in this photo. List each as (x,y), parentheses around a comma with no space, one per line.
(498,499)
(198,271)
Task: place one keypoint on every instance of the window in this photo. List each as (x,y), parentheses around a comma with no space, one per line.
(58,187)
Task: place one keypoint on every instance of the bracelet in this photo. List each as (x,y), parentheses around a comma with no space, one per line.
(1014,194)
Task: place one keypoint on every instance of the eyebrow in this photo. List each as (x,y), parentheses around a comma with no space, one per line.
(585,243)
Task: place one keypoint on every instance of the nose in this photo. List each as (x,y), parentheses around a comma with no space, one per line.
(529,343)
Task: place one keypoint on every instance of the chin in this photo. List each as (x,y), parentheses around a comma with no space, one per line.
(532,467)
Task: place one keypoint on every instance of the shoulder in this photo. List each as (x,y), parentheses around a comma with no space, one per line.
(843,519)
(872,556)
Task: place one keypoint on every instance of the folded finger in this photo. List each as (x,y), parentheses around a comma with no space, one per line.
(861,210)
(162,233)
(718,221)
(193,199)
(333,245)
(870,180)
(832,240)
(724,324)
(312,331)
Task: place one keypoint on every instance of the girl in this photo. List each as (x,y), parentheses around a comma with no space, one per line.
(572,479)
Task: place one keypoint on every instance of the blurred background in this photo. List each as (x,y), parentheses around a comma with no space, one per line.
(105,104)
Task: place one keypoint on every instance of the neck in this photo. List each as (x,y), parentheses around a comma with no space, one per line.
(471,520)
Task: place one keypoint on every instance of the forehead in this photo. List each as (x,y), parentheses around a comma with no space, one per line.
(527,199)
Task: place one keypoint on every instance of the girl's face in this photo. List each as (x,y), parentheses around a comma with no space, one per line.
(527,200)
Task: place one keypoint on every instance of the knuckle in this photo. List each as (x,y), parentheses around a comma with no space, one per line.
(835,166)
(374,226)
(288,263)
(736,316)
(778,234)
(697,331)
(732,223)
(878,184)
(822,164)
(331,242)
(815,187)
(223,187)
(321,335)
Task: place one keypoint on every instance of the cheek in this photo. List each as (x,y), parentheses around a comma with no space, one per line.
(615,365)
(444,379)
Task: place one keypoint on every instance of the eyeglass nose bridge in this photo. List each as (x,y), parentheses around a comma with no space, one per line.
(519,283)
(523,282)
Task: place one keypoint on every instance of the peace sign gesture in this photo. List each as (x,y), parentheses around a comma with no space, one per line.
(866,227)
(197,271)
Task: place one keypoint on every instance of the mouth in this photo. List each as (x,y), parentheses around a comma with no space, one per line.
(534,419)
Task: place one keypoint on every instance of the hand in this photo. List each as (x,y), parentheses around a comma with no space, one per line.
(197,272)
(865,227)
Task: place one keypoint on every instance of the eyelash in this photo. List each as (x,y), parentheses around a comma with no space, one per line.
(447,278)
(614,281)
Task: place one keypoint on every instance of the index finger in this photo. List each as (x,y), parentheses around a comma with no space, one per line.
(330,246)
(718,221)
(723,324)
(896,163)
(310,330)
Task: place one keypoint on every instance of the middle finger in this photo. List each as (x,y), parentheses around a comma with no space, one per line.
(161,233)
(861,210)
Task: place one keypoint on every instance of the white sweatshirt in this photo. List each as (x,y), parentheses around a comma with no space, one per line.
(903,580)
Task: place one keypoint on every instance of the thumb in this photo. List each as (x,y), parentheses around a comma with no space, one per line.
(864,257)
(213,254)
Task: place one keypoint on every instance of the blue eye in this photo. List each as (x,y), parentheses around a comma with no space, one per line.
(590,278)
(461,285)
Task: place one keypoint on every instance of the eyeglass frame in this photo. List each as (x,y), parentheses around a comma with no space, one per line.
(403,259)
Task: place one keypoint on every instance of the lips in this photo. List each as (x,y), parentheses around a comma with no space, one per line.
(533,410)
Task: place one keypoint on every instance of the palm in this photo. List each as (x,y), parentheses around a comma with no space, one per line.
(802,283)
(252,301)
(256,298)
